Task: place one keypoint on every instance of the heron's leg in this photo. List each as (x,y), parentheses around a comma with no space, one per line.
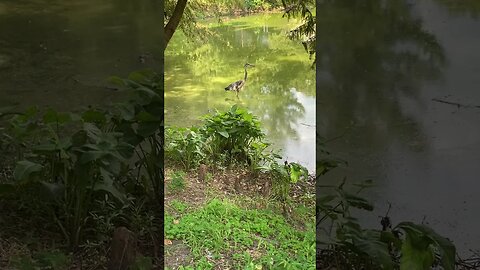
(237,94)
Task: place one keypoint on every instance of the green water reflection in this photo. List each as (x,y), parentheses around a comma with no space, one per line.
(372,54)
(59,53)
(380,65)
(280,89)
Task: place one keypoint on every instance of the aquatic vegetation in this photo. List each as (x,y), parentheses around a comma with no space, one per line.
(406,245)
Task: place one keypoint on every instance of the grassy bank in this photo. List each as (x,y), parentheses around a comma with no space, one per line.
(230,204)
(214,224)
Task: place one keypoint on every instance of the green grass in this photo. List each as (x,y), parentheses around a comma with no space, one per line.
(179,206)
(178,182)
(243,238)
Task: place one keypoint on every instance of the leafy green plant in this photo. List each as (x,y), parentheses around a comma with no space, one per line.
(178,182)
(69,160)
(140,120)
(70,170)
(22,131)
(234,136)
(234,133)
(417,246)
(284,176)
(185,146)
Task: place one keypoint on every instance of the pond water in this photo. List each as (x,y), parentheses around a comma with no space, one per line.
(280,89)
(381,65)
(60,53)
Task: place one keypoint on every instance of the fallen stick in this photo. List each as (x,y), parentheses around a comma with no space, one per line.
(459,105)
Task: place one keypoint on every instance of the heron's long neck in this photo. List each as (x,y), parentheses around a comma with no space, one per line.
(245,75)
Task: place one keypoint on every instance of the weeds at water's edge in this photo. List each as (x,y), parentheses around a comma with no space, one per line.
(343,243)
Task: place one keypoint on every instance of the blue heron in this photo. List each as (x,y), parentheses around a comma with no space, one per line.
(238,85)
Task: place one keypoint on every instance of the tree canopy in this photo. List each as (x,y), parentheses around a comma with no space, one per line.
(182,13)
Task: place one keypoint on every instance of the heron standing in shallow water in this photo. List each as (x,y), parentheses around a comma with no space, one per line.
(238,85)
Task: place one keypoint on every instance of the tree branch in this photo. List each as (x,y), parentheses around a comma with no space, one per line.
(174,20)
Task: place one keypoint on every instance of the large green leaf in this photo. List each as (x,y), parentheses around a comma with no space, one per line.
(53,146)
(445,247)
(417,253)
(224,133)
(25,169)
(92,131)
(297,171)
(107,185)
(371,244)
(365,242)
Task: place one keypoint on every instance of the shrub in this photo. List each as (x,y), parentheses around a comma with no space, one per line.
(185,146)
(236,133)
(234,136)
(70,160)
(283,176)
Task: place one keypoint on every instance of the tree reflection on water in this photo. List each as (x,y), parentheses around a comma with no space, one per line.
(372,55)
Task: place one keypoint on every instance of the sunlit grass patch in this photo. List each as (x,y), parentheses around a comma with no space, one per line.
(223,234)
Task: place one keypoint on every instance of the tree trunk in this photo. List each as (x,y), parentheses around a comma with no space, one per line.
(174,20)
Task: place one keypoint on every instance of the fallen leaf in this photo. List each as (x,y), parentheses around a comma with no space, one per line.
(167,242)
(176,221)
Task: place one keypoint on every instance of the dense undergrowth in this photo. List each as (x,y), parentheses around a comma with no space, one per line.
(231,151)
(69,179)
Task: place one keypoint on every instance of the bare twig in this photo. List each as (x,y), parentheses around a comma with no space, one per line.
(459,105)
